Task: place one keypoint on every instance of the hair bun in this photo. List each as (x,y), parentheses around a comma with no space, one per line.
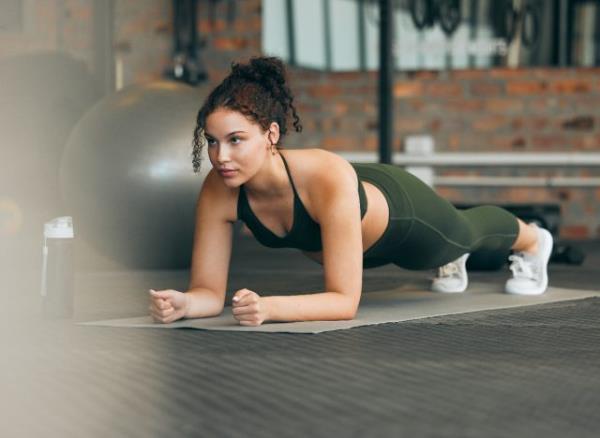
(261,69)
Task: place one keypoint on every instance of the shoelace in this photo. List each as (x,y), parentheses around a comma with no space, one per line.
(448,270)
(522,268)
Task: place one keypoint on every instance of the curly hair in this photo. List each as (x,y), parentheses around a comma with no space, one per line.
(258,90)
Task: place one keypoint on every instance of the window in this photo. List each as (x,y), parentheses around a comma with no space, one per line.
(340,35)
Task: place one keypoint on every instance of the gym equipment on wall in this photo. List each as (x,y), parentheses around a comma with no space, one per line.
(187,63)
(425,13)
(527,17)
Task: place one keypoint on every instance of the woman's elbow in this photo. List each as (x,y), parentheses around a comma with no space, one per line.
(351,310)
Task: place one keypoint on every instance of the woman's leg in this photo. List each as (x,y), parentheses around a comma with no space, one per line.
(426,231)
(441,233)
(527,238)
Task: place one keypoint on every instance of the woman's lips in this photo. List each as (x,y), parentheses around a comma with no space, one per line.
(227,172)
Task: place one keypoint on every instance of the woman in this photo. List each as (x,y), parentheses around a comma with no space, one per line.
(344,216)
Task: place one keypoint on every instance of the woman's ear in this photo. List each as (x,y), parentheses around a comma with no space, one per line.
(273,133)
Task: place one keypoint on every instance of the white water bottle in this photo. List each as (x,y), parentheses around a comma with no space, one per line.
(57,268)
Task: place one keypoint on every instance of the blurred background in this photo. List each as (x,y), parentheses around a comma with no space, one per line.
(489,102)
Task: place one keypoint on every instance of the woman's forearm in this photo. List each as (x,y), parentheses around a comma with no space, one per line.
(202,303)
(322,306)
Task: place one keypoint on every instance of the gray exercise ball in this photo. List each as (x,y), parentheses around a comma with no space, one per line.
(127,176)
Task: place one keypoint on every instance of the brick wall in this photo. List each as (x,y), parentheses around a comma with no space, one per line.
(532,109)
(499,110)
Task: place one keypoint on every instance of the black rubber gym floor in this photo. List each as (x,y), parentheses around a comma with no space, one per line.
(519,372)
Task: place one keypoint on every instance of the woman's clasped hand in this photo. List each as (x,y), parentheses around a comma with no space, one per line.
(167,305)
(248,307)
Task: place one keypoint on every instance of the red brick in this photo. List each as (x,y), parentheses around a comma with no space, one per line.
(424,106)
(590,142)
(507,143)
(550,73)
(468,74)
(526,87)
(529,195)
(508,72)
(489,123)
(342,143)
(570,86)
(230,43)
(444,89)
(408,89)
(364,90)
(350,76)
(450,194)
(307,107)
(500,105)
(324,125)
(530,123)
(300,74)
(253,24)
(454,122)
(454,142)
(544,104)
(587,71)
(206,27)
(369,109)
(324,90)
(371,143)
(339,108)
(308,125)
(549,141)
(486,88)
(464,105)
(412,124)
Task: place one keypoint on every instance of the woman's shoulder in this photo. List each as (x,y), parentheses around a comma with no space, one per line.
(315,162)
(313,168)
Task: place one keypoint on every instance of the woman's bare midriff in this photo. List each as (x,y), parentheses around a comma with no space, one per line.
(373,223)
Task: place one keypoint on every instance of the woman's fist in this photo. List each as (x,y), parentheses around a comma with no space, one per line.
(167,305)
(248,308)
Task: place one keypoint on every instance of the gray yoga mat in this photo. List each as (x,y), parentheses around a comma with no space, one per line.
(392,305)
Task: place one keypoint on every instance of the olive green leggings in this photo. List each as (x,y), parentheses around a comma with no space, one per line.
(426,231)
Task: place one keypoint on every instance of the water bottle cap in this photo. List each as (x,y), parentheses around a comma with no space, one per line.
(59,228)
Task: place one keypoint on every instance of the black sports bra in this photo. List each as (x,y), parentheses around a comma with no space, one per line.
(305,233)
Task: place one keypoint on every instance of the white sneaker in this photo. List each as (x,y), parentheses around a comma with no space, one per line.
(530,271)
(452,277)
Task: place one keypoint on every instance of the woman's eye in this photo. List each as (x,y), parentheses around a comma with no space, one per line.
(210,141)
(235,138)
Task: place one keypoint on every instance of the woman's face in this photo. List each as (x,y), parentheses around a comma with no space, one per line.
(234,142)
